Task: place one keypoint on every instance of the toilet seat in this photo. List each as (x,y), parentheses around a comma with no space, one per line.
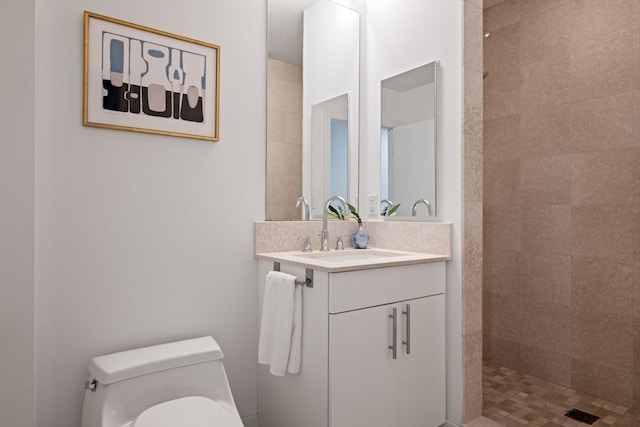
(192,411)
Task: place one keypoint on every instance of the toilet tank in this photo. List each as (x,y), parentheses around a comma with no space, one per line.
(124,384)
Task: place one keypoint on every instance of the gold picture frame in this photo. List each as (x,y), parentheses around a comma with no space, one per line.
(142,79)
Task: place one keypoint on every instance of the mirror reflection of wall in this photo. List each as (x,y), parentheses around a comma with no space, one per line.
(408,143)
(284,140)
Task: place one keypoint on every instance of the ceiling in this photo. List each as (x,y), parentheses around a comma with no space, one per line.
(285,28)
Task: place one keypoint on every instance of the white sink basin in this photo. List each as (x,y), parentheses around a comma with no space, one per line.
(351,255)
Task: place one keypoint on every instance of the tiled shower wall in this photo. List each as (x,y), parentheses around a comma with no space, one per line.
(284,139)
(562,193)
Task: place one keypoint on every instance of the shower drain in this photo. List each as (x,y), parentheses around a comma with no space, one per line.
(583,417)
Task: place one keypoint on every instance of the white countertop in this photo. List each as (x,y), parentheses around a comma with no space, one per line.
(351,259)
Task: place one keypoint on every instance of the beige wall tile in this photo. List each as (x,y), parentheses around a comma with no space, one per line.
(502,183)
(473,36)
(546,364)
(603,123)
(293,98)
(546,180)
(606,178)
(502,15)
(502,50)
(503,316)
(473,409)
(293,128)
(602,285)
(543,34)
(546,326)
(502,85)
(472,169)
(276,94)
(501,139)
(636,362)
(546,278)
(535,7)
(501,272)
(476,3)
(276,126)
(597,21)
(473,102)
(603,337)
(472,365)
(603,232)
(545,229)
(601,69)
(429,237)
(499,100)
(545,129)
(277,69)
(501,352)
(283,189)
(294,73)
(636,302)
(472,239)
(502,228)
(472,305)
(636,118)
(610,383)
(547,80)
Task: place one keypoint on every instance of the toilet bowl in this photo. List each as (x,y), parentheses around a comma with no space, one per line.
(169,385)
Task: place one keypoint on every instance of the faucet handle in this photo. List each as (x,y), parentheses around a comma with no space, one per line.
(340,243)
(307,243)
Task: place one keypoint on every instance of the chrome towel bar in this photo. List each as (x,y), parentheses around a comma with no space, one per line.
(308,282)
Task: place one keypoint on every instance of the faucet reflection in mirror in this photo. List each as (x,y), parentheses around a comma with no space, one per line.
(302,201)
(324,235)
(417,203)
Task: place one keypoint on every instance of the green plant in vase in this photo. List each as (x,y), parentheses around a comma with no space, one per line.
(390,212)
(360,237)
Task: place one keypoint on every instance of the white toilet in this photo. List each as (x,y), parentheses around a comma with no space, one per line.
(169,385)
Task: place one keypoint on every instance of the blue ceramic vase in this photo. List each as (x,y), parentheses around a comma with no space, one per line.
(360,238)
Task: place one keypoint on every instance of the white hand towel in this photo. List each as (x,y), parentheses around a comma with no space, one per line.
(280,326)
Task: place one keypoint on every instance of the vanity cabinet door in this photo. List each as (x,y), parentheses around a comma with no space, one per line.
(367,386)
(362,373)
(421,373)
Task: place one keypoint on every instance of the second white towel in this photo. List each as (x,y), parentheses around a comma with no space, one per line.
(281,324)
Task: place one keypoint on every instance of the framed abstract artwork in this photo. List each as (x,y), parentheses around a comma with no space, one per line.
(145,80)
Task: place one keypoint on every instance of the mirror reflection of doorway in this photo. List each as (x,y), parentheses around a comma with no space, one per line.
(339,158)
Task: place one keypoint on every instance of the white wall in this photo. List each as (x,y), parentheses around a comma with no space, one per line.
(17,370)
(401,35)
(143,239)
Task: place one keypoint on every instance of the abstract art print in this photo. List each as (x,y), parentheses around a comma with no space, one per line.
(146,80)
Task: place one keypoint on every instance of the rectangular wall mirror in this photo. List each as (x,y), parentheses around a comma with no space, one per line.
(313,71)
(408,144)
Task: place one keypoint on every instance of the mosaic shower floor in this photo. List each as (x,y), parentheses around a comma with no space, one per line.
(515,399)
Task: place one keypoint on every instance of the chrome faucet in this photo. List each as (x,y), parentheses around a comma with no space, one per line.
(415,206)
(324,235)
(389,203)
(305,203)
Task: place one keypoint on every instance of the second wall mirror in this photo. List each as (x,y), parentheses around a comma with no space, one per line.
(409,144)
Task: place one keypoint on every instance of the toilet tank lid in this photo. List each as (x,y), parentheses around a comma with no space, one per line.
(120,366)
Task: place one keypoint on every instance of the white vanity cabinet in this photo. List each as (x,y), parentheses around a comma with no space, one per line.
(349,376)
